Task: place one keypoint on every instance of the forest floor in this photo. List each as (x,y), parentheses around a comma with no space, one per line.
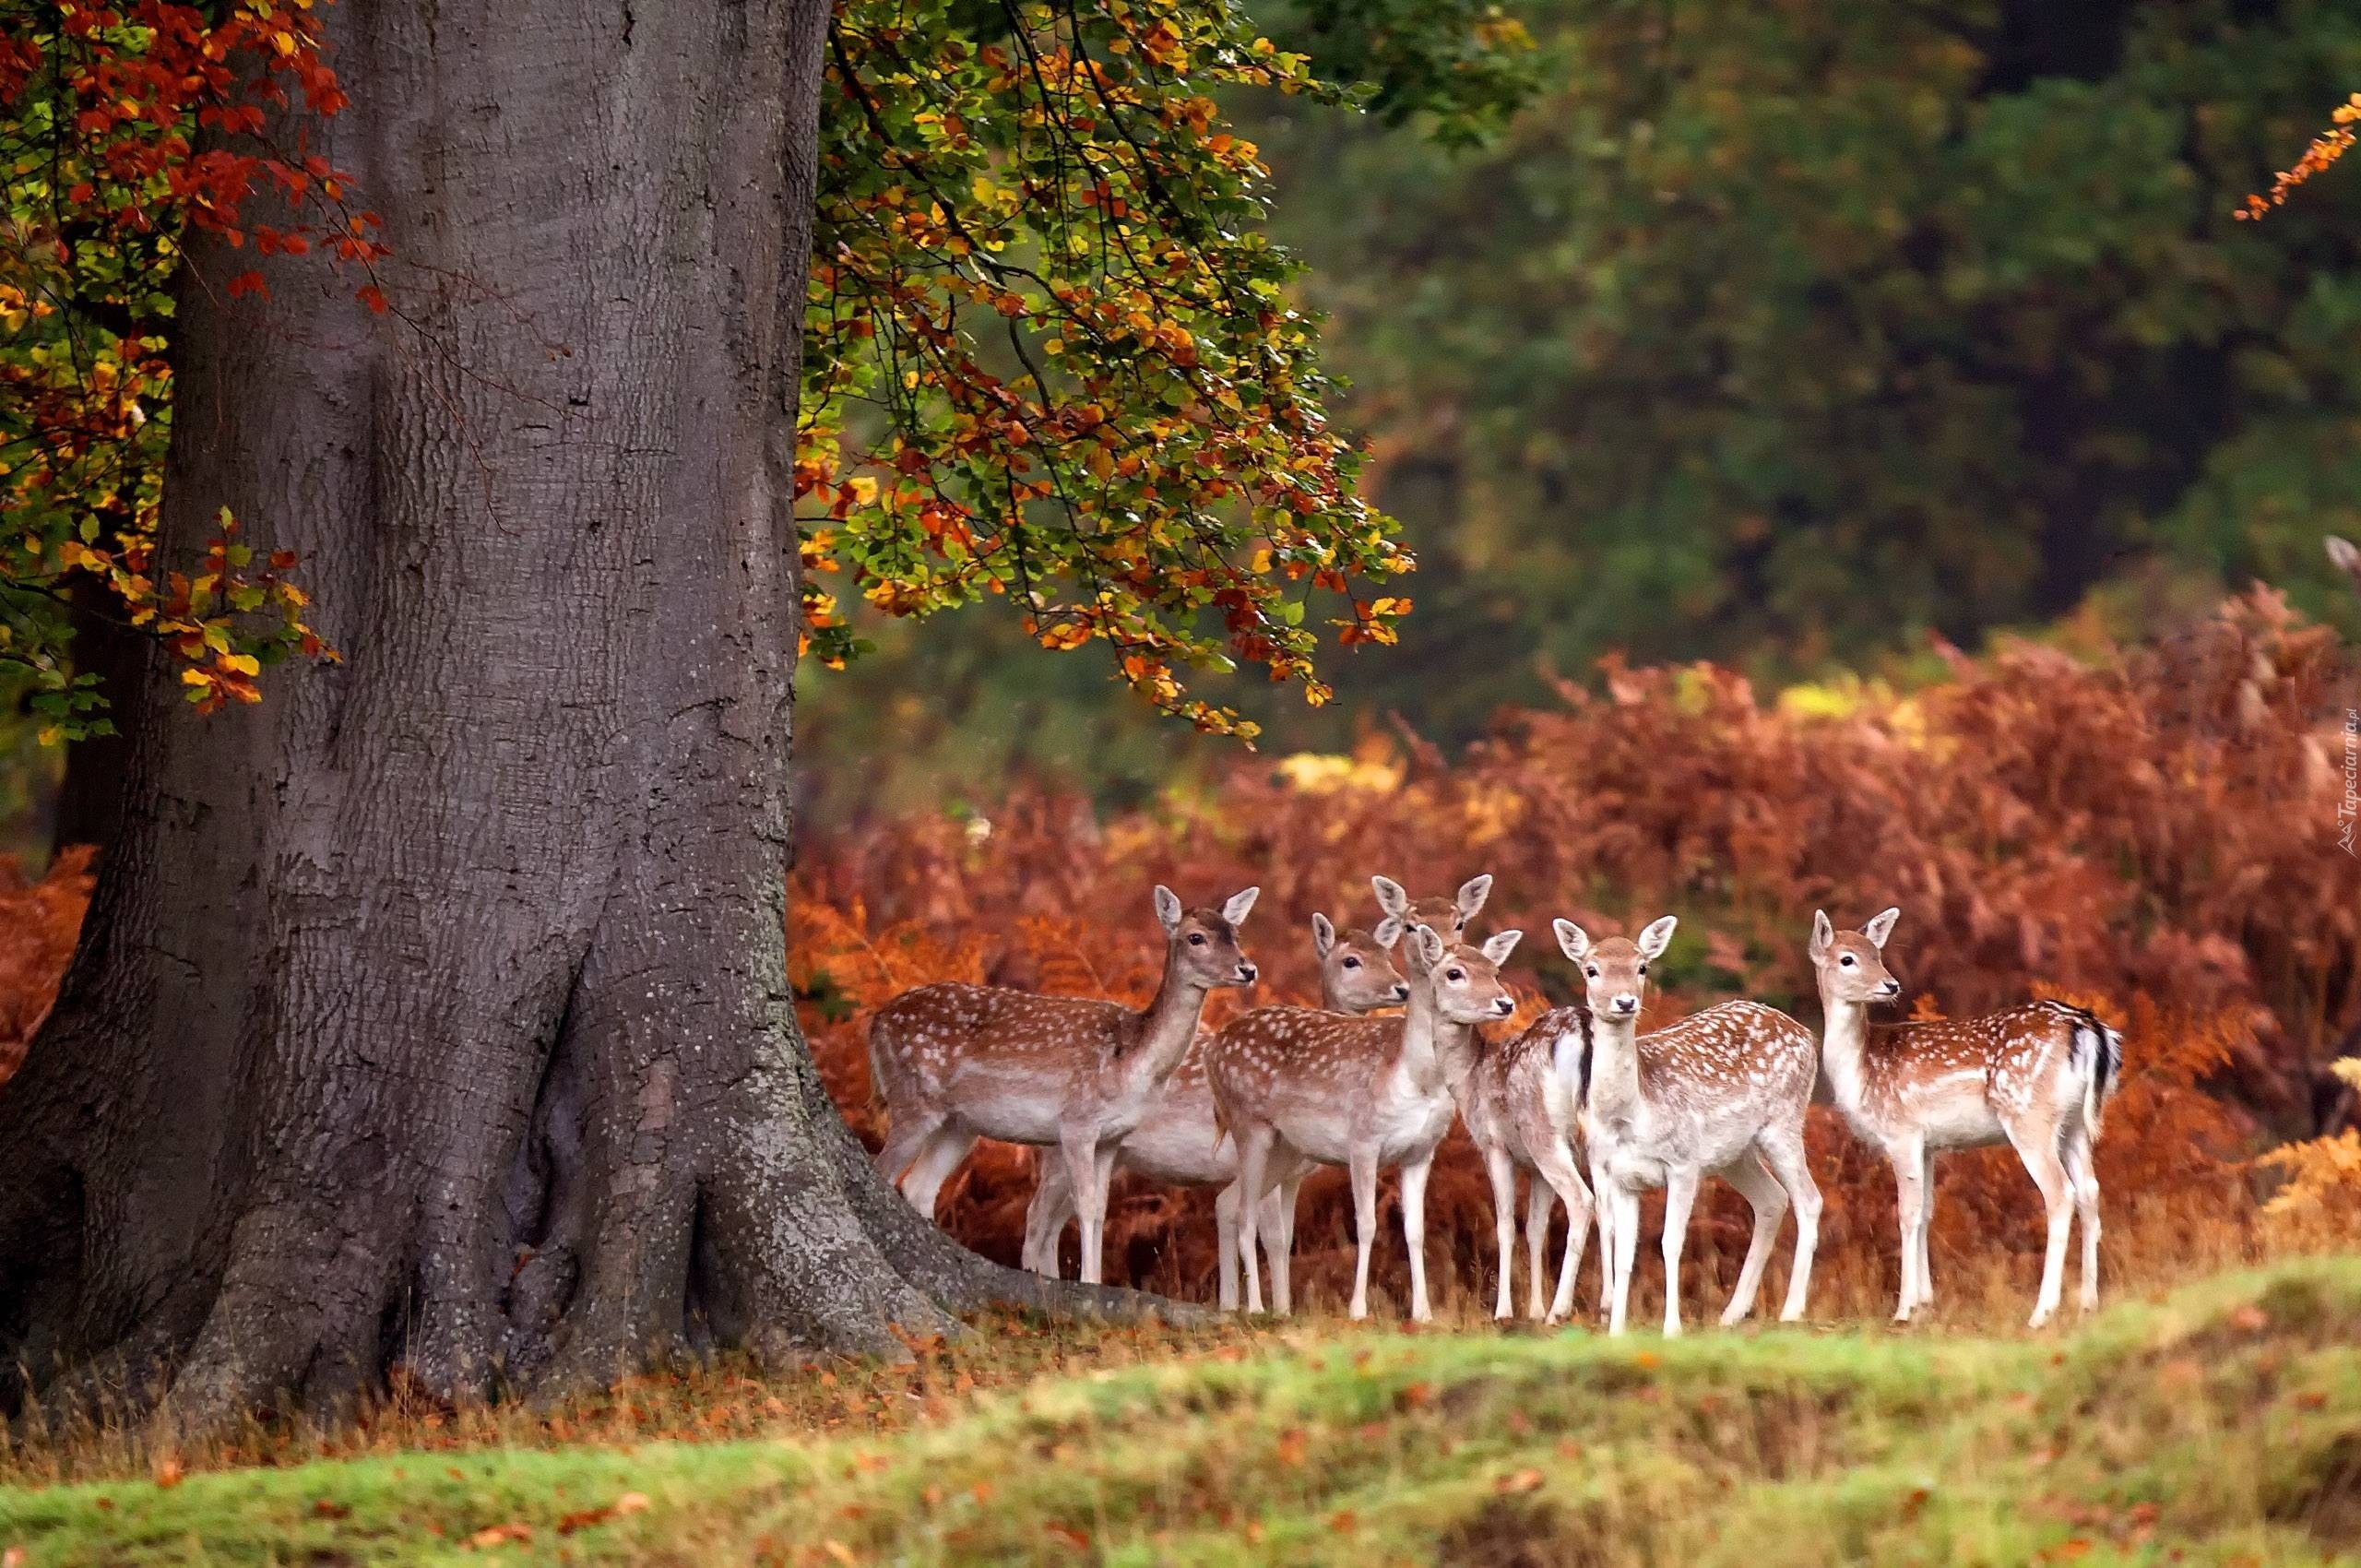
(2217,1422)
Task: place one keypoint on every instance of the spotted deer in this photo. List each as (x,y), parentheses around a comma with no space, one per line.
(1449,916)
(2036,1077)
(1299,1089)
(1521,1113)
(1175,1142)
(1721,1093)
(956,1062)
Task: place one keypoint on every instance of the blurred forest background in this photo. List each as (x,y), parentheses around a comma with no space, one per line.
(1790,335)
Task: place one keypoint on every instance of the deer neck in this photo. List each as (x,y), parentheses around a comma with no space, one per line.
(1429,1041)
(1614,1062)
(1843,1038)
(1170,1024)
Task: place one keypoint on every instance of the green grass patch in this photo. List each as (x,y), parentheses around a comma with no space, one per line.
(2220,1424)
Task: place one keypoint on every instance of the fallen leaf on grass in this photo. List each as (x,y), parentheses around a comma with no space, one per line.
(329,1508)
(1523,1480)
(500,1535)
(1078,1539)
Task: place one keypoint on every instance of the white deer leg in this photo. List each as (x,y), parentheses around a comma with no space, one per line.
(904,1141)
(1414,1234)
(2082,1169)
(1079,1144)
(943,1155)
(1626,1205)
(1925,1226)
(1225,1246)
(1785,1150)
(1503,1170)
(1769,1203)
(1679,1198)
(1909,1159)
(1540,1200)
(1254,1155)
(1278,1216)
(2034,1146)
(1363,1167)
(1610,1216)
(1558,1180)
(1046,1215)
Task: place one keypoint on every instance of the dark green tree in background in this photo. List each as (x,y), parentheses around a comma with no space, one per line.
(1789,335)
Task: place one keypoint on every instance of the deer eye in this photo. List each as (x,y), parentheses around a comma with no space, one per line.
(1197,939)
(1456,975)
(1847,960)
(1352,963)
(1644,969)
(1592,971)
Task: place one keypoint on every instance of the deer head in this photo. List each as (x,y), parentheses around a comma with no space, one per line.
(1615,972)
(1464,980)
(1449,916)
(1852,963)
(1201,945)
(1357,970)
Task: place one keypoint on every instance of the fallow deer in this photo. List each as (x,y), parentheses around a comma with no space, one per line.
(1449,916)
(1177,1143)
(956,1062)
(1721,1093)
(1297,1089)
(2036,1077)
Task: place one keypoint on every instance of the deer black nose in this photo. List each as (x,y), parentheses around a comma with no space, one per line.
(1891,988)
(1401,991)
(1504,1005)
(1627,1004)
(1246,973)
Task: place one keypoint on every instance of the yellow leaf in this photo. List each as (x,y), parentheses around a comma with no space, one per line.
(195,678)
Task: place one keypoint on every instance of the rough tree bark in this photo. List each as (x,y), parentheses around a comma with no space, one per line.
(436,1011)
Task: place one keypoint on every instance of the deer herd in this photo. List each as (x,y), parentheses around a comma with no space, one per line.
(1252,1108)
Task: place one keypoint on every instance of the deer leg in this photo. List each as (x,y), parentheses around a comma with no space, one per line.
(1079,1143)
(1610,1216)
(1925,1225)
(2082,1169)
(1679,1198)
(1503,1170)
(1556,1179)
(1626,1207)
(1278,1213)
(1254,1155)
(1414,1233)
(1225,1246)
(1046,1215)
(1784,1150)
(1538,1201)
(1909,1162)
(907,1138)
(1770,1203)
(2036,1146)
(944,1153)
(1362,1167)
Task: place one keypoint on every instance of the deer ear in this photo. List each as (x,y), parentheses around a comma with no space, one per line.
(1323,935)
(1239,905)
(1823,935)
(1168,909)
(1472,894)
(1499,944)
(1425,947)
(1877,930)
(1390,896)
(1572,940)
(1388,932)
(1657,937)
(2346,555)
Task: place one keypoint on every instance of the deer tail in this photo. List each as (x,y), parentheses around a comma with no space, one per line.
(2096,1052)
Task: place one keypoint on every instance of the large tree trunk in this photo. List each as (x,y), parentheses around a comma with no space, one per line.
(436,1011)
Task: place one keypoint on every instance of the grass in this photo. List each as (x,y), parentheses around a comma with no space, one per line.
(2220,1423)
